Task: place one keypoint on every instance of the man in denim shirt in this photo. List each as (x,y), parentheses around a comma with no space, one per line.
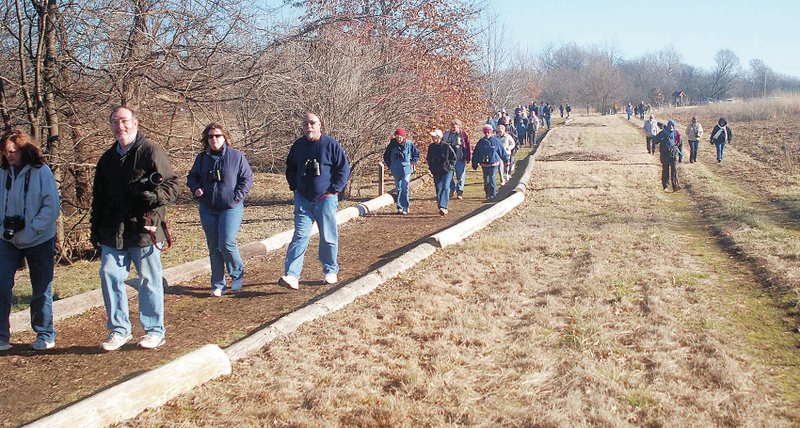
(317,170)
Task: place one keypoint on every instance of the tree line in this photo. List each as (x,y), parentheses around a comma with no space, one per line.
(365,66)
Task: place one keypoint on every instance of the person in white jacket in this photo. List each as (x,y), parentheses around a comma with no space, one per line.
(29,207)
(509,145)
(650,131)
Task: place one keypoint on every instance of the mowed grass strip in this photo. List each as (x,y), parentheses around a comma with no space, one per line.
(600,301)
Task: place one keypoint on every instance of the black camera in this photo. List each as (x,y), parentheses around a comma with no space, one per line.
(399,155)
(149,182)
(486,159)
(12,225)
(310,168)
(215,176)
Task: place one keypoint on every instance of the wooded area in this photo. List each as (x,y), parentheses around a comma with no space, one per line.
(365,66)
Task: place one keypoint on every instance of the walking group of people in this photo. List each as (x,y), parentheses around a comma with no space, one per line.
(133,183)
(670,145)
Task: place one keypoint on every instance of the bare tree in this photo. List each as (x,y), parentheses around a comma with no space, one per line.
(725,73)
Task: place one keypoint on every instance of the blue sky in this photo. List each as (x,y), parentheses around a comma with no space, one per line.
(764,29)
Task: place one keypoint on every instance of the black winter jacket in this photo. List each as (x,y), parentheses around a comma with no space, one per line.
(125,202)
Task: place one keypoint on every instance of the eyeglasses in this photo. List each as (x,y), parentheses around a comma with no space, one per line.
(211,136)
(123,121)
(310,122)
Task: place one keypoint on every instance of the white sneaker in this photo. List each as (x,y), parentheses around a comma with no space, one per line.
(4,346)
(216,292)
(331,278)
(115,341)
(40,344)
(152,341)
(289,281)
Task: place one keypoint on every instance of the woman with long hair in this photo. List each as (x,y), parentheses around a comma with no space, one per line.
(29,207)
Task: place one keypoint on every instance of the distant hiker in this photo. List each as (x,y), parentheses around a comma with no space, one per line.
(30,208)
(441,160)
(317,171)
(568,109)
(533,126)
(509,145)
(522,130)
(561,110)
(629,110)
(401,157)
(459,139)
(642,110)
(650,131)
(669,156)
(547,110)
(679,144)
(221,179)
(694,131)
(133,184)
(490,155)
(721,135)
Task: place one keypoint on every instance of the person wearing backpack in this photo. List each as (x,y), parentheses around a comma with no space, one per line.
(459,139)
(667,140)
(490,154)
(441,160)
(721,135)
(401,157)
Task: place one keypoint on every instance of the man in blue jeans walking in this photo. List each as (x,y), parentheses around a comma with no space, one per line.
(133,183)
(317,170)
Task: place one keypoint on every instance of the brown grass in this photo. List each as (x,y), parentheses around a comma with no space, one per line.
(599,301)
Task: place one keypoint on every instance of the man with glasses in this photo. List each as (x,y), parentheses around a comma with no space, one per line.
(317,170)
(133,183)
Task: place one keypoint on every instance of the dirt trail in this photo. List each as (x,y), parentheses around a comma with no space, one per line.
(35,384)
(599,301)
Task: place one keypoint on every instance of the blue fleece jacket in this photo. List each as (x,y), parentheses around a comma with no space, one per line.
(334,168)
(237,178)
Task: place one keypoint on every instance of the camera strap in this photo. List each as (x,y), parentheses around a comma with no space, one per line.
(24,191)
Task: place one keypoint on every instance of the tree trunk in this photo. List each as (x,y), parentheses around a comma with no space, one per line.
(53,145)
(133,53)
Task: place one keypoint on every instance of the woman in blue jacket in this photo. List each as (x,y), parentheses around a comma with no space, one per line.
(401,156)
(29,210)
(220,179)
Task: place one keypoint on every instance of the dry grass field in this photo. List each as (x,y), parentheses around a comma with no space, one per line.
(600,301)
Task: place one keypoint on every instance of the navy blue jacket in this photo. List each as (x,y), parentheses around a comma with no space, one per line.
(334,168)
(237,178)
(490,149)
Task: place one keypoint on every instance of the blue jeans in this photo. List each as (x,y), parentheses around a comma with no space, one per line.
(401,183)
(490,181)
(40,266)
(693,150)
(442,183)
(114,267)
(720,149)
(221,228)
(305,214)
(459,177)
(547,120)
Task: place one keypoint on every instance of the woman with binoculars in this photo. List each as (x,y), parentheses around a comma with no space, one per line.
(29,210)
(220,179)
